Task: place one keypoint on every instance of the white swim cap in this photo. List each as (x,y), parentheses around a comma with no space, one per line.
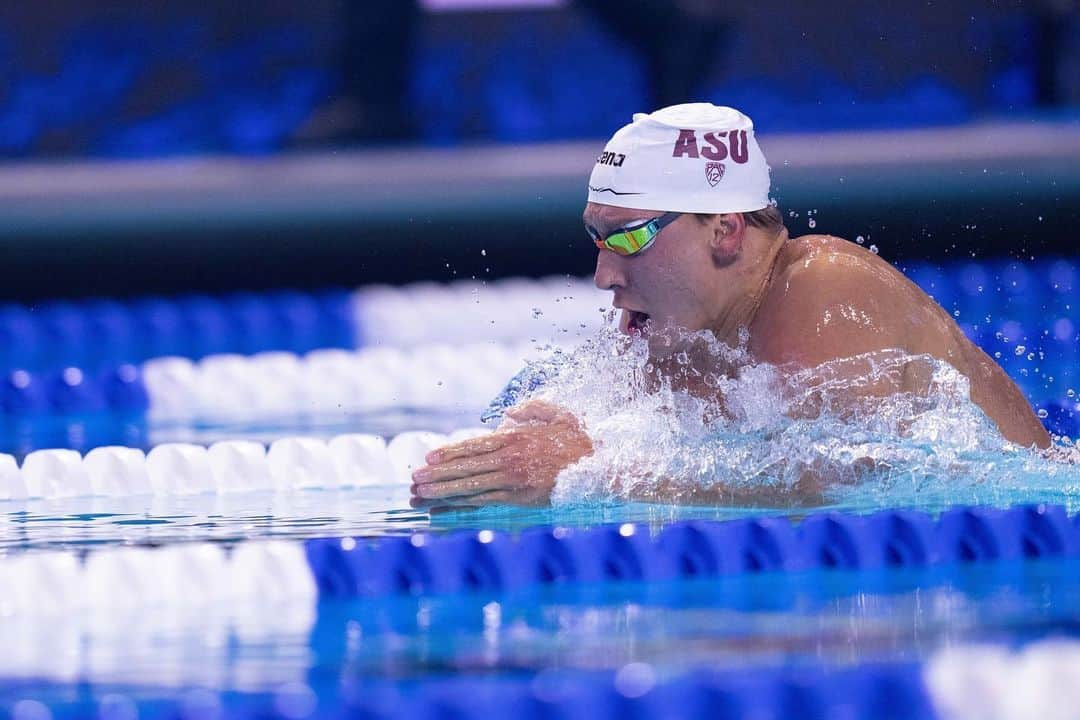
(695,158)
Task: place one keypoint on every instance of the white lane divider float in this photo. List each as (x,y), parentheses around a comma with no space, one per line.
(12,484)
(990,682)
(239,466)
(360,459)
(301,462)
(97,617)
(555,308)
(179,469)
(230,466)
(55,474)
(237,387)
(116,471)
(183,574)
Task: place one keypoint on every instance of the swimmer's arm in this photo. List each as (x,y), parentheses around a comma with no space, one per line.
(519,463)
(667,491)
(516,465)
(830,312)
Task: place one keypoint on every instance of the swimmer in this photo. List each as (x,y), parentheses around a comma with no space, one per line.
(679,209)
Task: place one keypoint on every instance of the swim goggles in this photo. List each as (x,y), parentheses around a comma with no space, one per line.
(633,239)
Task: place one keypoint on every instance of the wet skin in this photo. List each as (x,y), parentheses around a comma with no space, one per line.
(803,302)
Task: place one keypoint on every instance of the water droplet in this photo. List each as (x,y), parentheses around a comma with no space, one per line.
(1070,392)
(537,312)
(874,249)
(483,253)
(997,354)
(956,313)
(812,223)
(1020,349)
(1031,356)
(1042,413)
(860,239)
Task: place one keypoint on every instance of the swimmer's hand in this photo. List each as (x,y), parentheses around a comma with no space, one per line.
(515,465)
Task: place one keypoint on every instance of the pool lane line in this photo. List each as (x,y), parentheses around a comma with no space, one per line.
(488,561)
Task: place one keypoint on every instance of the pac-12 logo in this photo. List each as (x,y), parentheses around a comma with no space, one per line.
(714,172)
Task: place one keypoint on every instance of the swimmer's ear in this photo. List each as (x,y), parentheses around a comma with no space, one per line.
(728,233)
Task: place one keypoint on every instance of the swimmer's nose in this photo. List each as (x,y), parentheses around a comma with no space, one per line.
(608,275)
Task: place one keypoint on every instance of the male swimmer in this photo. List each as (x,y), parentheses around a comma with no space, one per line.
(679,208)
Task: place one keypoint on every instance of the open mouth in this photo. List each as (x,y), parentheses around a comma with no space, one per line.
(634,321)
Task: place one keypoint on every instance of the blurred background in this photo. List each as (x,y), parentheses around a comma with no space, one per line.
(159,146)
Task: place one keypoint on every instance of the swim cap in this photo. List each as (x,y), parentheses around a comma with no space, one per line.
(695,158)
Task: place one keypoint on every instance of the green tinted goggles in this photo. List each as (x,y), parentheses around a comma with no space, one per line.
(634,238)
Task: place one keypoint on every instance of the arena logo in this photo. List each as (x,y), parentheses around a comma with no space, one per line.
(610,158)
(714,147)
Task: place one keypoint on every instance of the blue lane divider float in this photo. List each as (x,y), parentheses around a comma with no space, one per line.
(99,333)
(1002,305)
(232,387)
(870,692)
(492,561)
(84,357)
(116,390)
(96,333)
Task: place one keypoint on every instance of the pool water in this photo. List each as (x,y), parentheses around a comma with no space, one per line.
(279,650)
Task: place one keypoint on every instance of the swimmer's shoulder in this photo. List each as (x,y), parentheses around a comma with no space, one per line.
(829,264)
(842,268)
(823,252)
(828,297)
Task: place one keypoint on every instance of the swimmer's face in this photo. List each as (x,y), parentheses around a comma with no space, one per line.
(667,284)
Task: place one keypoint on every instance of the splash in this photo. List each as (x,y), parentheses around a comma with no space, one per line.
(682,417)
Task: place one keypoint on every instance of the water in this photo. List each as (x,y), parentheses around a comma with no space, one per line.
(712,426)
(649,408)
(149,520)
(815,620)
